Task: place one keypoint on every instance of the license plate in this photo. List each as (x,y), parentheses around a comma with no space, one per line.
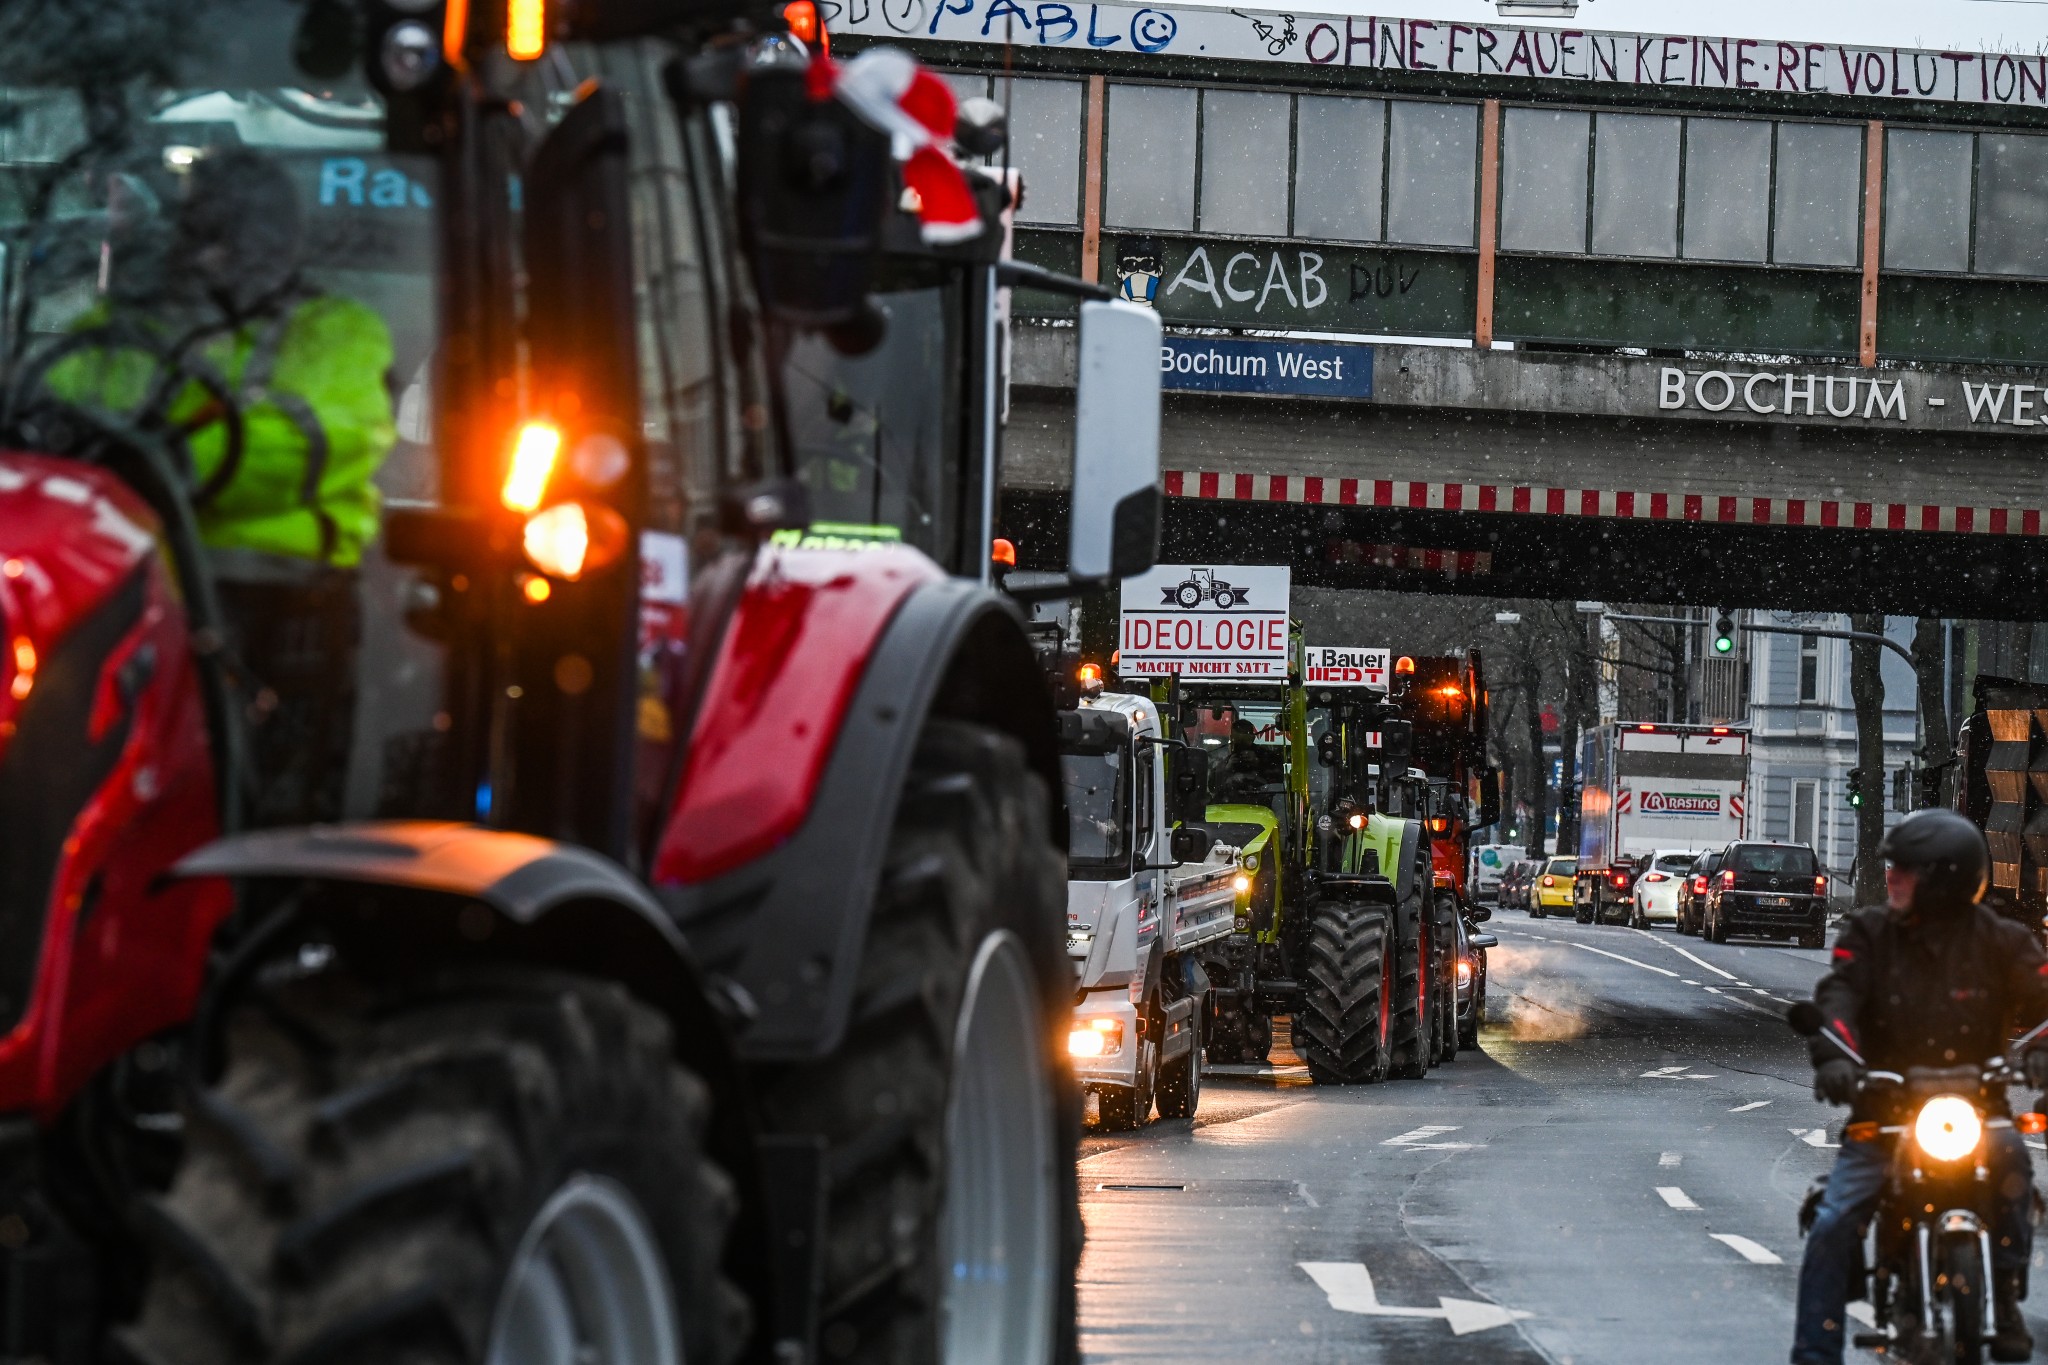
(1777,902)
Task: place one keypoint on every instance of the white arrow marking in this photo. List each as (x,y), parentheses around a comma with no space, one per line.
(1814,1137)
(1675,1197)
(1662,1071)
(1349,1288)
(1746,1249)
(1674,1073)
(1745,1108)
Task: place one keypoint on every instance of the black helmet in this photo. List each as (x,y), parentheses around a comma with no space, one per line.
(1947,851)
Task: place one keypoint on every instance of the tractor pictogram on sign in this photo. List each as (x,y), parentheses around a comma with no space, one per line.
(1201,585)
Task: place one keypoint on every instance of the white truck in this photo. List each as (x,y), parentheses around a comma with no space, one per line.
(1142,895)
(1646,787)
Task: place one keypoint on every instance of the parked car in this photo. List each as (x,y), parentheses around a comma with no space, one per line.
(1553,889)
(1472,945)
(1692,892)
(1770,890)
(1654,898)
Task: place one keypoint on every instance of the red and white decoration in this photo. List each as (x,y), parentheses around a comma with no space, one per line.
(889,89)
(1725,509)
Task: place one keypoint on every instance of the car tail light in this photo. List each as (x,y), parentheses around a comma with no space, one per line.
(1820,885)
(1699,885)
(1656,877)
(1549,880)
(1728,880)
(1621,879)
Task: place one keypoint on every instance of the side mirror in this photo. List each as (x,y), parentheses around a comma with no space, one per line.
(1191,843)
(1117,502)
(1489,799)
(1479,914)
(1187,797)
(1397,746)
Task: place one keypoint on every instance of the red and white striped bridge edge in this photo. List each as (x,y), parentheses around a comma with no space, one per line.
(1598,502)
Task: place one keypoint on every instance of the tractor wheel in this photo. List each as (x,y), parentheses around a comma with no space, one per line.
(504,1164)
(1258,1035)
(1189,596)
(1226,598)
(1414,1003)
(950,1121)
(1343,1031)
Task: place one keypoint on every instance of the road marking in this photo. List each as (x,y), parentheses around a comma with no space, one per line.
(1349,1287)
(1419,1139)
(1863,1313)
(1674,1073)
(1814,1137)
(1689,981)
(1306,1198)
(1745,1108)
(1661,1071)
(1619,958)
(1738,1000)
(1729,976)
(1669,1159)
(1675,1197)
(1746,1249)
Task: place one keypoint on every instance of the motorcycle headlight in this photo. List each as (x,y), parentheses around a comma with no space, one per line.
(1948,1128)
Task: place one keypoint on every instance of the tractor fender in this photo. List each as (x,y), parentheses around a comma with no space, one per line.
(404,895)
(789,926)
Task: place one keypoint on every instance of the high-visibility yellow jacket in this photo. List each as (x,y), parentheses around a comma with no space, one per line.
(310,384)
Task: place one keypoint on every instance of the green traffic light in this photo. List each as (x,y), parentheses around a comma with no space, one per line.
(1722,644)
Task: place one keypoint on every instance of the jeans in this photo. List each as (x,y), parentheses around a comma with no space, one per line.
(1854,1187)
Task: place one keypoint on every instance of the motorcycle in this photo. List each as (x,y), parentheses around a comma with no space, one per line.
(1928,1265)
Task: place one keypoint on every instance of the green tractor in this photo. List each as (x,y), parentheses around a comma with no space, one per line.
(1337,922)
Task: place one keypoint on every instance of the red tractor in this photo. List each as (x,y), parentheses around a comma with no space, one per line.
(701,993)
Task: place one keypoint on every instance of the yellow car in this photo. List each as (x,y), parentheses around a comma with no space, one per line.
(1553,888)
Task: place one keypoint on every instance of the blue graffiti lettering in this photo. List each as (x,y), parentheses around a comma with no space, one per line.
(1100,40)
(1050,15)
(1003,9)
(1152,30)
(942,9)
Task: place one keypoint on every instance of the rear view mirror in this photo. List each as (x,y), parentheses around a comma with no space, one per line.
(1191,843)
(1187,794)
(1117,502)
(1489,799)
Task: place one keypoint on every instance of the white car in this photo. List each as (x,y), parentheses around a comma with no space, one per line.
(1656,892)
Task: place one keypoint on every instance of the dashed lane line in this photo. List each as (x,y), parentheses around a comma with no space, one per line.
(1690,957)
(1717,992)
(1676,1198)
(1669,1158)
(1619,958)
(1745,1108)
(1753,1252)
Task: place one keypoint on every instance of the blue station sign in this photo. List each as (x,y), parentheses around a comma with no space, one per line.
(1309,369)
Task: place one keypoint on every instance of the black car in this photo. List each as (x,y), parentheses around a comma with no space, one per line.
(1769,890)
(1692,897)
(1513,892)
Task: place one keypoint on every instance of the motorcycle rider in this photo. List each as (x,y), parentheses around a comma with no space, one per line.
(1930,978)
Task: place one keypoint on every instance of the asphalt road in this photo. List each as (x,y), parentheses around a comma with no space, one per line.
(1612,1179)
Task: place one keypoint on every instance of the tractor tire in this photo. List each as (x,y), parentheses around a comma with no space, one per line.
(1258,1035)
(437,1175)
(1188,595)
(1343,1030)
(1180,1086)
(1413,1014)
(973,893)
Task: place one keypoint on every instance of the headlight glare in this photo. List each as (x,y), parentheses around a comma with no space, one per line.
(1948,1128)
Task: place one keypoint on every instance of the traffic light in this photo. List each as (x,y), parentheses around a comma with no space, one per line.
(1724,634)
(1929,784)
(1855,787)
(1902,788)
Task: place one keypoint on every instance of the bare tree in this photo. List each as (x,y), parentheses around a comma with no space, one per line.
(1866,691)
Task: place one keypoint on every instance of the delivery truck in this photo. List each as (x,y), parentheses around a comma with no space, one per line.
(1645,787)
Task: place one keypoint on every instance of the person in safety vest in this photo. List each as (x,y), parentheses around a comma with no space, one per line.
(285,517)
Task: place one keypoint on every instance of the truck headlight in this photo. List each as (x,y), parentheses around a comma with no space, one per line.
(1242,884)
(1096,1038)
(1948,1128)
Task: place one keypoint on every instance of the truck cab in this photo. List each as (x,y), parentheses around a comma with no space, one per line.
(1142,894)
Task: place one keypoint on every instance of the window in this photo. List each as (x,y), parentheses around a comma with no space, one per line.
(1432,173)
(1045,145)
(1543,179)
(1727,189)
(1809,668)
(1141,820)
(1926,200)
(2012,204)
(1805,807)
(1635,185)
(1096,808)
(1244,163)
(1774,859)
(1820,179)
(1339,146)
(1150,170)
